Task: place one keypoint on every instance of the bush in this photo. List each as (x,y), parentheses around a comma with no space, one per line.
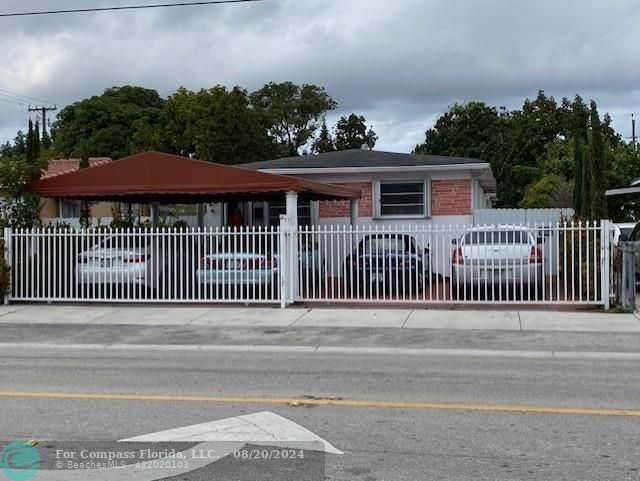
(5,273)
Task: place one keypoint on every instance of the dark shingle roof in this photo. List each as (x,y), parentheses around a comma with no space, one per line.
(358,158)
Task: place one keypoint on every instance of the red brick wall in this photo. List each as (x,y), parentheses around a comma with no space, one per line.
(333,209)
(451,197)
(448,197)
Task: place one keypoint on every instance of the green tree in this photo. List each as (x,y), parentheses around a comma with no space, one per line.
(623,167)
(465,130)
(46,138)
(32,151)
(324,143)
(19,208)
(598,204)
(217,124)
(351,133)
(532,151)
(475,130)
(105,123)
(146,137)
(551,191)
(19,144)
(85,207)
(576,115)
(292,113)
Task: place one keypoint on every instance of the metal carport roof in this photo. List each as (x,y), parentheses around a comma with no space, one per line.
(166,178)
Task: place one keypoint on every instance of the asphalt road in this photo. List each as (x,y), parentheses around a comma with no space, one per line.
(407,417)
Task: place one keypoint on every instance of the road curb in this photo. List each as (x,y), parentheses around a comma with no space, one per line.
(330,350)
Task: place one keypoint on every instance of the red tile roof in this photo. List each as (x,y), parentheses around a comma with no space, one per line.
(64,166)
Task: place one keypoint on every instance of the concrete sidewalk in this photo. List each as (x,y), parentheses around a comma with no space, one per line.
(322,317)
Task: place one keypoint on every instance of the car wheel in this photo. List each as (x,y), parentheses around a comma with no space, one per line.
(418,288)
(535,294)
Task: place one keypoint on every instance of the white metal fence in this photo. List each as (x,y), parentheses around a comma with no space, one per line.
(152,265)
(540,264)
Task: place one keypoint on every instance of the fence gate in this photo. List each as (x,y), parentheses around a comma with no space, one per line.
(532,264)
(239,265)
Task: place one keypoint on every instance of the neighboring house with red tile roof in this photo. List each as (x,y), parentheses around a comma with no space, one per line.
(68,211)
(65,166)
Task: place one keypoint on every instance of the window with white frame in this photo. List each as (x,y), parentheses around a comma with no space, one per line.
(69,209)
(402,198)
(277,208)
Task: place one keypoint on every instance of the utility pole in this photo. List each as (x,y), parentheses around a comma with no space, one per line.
(633,130)
(43,111)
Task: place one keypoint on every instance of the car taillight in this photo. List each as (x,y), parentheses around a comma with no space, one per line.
(405,263)
(458,256)
(267,262)
(253,263)
(535,256)
(207,262)
(135,259)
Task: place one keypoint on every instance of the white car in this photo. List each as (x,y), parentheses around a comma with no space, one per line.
(121,260)
(249,262)
(505,256)
(622,232)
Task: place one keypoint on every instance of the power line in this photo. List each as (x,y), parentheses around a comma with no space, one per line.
(8,93)
(129,7)
(11,101)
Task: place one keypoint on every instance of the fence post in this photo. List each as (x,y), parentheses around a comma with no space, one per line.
(605,262)
(8,259)
(627,286)
(285,260)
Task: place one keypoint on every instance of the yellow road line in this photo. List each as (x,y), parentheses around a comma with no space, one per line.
(294,401)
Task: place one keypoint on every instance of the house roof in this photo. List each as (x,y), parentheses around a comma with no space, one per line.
(64,166)
(359,158)
(170,179)
(632,190)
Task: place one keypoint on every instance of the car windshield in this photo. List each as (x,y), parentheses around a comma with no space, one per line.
(384,244)
(246,245)
(485,237)
(123,242)
(625,233)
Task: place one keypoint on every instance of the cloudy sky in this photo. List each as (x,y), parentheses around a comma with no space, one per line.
(400,63)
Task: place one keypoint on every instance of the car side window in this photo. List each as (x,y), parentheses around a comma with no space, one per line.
(413,247)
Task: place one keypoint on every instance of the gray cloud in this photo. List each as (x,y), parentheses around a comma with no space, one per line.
(400,63)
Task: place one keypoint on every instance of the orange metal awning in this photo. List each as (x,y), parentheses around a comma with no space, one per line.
(165,178)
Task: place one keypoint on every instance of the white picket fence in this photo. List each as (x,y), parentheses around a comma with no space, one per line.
(535,264)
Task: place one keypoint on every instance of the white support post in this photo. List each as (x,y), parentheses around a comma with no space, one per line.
(155,214)
(354,211)
(292,214)
(605,262)
(354,204)
(284,260)
(8,259)
(201,208)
